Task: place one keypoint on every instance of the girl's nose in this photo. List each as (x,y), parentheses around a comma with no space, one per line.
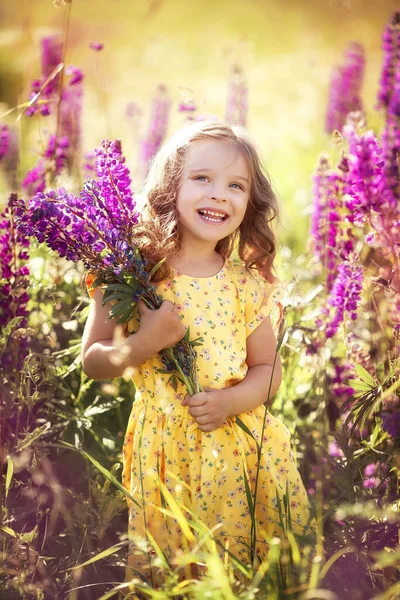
(218,195)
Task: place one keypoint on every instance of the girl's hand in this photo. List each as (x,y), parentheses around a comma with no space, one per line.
(208,408)
(162,327)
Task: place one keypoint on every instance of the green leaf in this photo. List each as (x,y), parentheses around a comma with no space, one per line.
(364,375)
(120,287)
(101,555)
(248,493)
(243,426)
(187,334)
(9,531)
(103,471)
(120,308)
(10,471)
(359,385)
(157,266)
(380,372)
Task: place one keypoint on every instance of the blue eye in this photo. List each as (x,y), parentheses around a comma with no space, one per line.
(240,187)
(204,177)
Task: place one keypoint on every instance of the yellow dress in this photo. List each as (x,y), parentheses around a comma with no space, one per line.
(163,442)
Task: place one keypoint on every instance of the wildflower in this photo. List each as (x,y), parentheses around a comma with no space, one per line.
(236,109)
(10,160)
(391,422)
(96,46)
(345,294)
(371,483)
(334,450)
(391,48)
(35,180)
(345,88)
(365,175)
(13,296)
(51,57)
(370,469)
(76,74)
(158,125)
(4,140)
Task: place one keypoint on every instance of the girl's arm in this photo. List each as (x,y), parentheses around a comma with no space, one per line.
(252,391)
(103,358)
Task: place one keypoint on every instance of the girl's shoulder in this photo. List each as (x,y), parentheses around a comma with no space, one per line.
(250,277)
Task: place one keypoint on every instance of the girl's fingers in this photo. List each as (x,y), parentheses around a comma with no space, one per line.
(198,400)
(203,420)
(196,411)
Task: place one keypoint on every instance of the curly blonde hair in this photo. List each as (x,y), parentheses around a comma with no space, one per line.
(158,234)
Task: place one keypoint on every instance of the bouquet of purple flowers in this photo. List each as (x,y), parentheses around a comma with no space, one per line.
(97,228)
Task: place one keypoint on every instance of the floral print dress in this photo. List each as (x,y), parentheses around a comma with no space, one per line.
(207,472)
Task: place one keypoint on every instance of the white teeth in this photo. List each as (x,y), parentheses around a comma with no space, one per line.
(211,214)
(210,219)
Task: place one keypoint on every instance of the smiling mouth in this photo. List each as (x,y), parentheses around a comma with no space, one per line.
(211,217)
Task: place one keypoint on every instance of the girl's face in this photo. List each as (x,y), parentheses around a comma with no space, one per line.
(214,191)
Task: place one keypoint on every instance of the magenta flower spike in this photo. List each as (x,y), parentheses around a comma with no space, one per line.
(51,54)
(345,295)
(390,75)
(51,57)
(4,140)
(96,46)
(13,297)
(345,88)
(158,125)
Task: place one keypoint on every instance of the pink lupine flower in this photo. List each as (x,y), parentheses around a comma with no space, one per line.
(371,483)
(334,450)
(158,126)
(96,46)
(345,88)
(370,469)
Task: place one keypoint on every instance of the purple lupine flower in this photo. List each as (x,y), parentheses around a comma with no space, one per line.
(237,103)
(96,46)
(371,483)
(345,294)
(365,175)
(11,160)
(187,106)
(75,73)
(35,179)
(113,177)
(345,88)
(99,219)
(13,297)
(391,61)
(57,152)
(370,469)
(391,422)
(317,242)
(158,126)
(339,387)
(51,57)
(51,54)
(390,152)
(335,450)
(4,140)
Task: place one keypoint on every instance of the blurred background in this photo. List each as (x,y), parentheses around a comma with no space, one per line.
(285,52)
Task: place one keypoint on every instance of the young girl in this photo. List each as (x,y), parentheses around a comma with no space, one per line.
(207,211)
